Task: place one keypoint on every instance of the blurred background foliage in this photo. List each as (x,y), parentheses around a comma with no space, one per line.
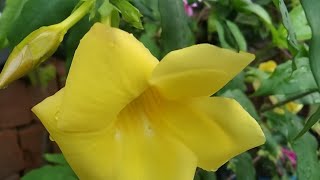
(280,89)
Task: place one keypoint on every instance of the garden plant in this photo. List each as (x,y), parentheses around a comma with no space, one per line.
(171,89)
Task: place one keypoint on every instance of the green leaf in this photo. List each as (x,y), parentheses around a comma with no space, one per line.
(9,15)
(310,122)
(149,8)
(287,24)
(300,23)
(249,6)
(57,159)
(308,164)
(205,175)
(236,83)
(284,81)
(311,8)
(221,35)
(242,165)
(129,13)
(37,13)
(148,38)
(237,35)
(49,172)
(245,102)
(176,33)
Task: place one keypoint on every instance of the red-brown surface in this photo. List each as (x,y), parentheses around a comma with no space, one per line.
(11,155)
(23,139)
(15,104)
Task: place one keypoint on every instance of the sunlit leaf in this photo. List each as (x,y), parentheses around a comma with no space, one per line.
(129,13)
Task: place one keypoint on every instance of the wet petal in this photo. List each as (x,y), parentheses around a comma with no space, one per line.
(132,150)
(216,129)
(110,68)
(199,70)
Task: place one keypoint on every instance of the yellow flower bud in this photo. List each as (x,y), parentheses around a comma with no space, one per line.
(268,66)
(32,51)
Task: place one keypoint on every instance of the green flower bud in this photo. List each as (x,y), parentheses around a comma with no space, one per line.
(39,46)
(32,51)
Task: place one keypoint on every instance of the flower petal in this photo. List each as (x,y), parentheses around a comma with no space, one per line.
(148,153)
(199,70)
(128,151)
(91,155)
(216,129)
(110,68)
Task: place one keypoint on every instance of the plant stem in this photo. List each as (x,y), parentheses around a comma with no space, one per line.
(298,96)
(77,15)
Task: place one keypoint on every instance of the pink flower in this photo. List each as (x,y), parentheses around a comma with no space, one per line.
(188,8)
(290,155)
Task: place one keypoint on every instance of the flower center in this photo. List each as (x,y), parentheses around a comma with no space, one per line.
(139,113)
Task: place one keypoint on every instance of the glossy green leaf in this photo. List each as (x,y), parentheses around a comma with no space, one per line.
(284,81)
(176,32)
(129,13)
(9,15)
(38,13)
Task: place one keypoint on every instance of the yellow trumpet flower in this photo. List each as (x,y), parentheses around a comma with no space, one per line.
(123,115)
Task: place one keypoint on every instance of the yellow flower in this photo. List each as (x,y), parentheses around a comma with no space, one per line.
(268,66)
(124,116)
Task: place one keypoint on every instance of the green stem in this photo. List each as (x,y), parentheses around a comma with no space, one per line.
(298,96)
(77,15)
